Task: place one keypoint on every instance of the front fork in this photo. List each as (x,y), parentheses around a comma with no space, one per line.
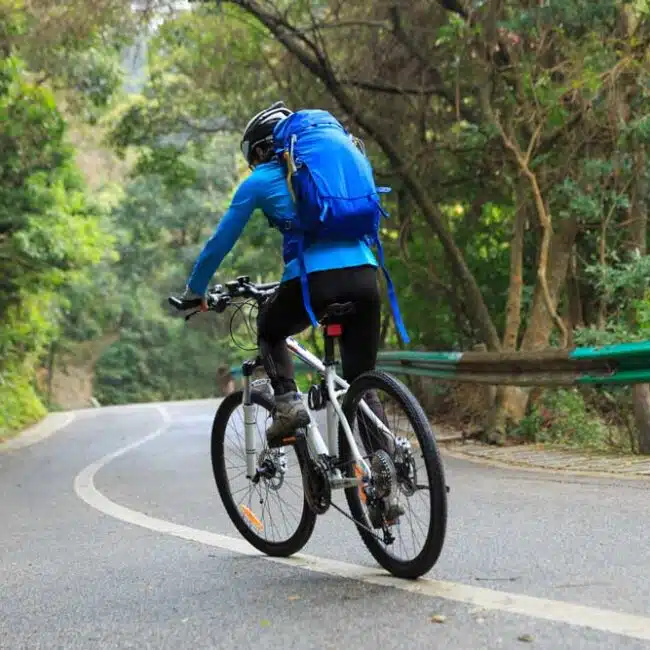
(250,419)
(334,417)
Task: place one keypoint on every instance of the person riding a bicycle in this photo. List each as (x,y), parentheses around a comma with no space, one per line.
(313,181)
(337,271)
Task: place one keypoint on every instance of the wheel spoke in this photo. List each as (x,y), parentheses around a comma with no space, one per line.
(419,532)
(272,513)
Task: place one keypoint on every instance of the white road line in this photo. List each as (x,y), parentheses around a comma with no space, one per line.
(613,622)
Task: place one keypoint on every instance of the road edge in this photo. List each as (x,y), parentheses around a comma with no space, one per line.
(52,423)
(447,450)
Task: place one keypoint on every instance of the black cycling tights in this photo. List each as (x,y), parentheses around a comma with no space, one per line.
(284,315)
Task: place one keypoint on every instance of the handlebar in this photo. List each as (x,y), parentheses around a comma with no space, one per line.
(181,305)
(220,296)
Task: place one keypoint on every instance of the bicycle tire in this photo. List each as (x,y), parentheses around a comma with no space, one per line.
(428,556)
(307,522)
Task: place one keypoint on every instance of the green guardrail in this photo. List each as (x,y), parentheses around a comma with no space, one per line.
(626,363)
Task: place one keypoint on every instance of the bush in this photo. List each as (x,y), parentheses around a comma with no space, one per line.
(562,417)
(20,403)
(158,359)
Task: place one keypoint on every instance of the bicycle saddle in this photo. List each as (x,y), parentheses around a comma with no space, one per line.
(336,310)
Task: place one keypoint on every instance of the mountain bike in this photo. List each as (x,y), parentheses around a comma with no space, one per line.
(381,454)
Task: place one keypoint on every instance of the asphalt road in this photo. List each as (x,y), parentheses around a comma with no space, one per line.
(112,535)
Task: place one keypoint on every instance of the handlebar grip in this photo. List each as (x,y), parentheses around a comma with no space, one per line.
(267,286)
(181,305)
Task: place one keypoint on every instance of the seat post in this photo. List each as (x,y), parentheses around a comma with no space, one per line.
(331,331)
(332,327)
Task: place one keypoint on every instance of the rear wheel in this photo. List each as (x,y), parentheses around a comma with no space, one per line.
(271,514)
(409,469)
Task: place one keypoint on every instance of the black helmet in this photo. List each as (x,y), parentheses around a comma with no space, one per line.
(260,128)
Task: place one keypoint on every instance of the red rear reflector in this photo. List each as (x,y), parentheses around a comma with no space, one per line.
(334,330)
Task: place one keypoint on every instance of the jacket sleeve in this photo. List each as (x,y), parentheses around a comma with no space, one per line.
(230,227)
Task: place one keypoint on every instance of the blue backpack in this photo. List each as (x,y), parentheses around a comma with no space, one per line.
(331,181)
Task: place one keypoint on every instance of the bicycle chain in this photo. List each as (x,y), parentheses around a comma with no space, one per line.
(353,520)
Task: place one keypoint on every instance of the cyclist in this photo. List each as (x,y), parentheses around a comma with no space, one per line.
(336,271)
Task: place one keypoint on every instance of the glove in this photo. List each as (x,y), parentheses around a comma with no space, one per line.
(188,294)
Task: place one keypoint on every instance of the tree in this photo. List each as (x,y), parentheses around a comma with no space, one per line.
(49,234)
(536,82)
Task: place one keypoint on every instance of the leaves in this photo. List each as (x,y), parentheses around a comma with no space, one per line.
(49,235)
(433,96)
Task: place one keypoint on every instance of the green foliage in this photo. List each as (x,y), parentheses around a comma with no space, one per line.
(168,210)
(49,234)
(623,288)
(46,226)
(20,403)
(157,358)
(562,418)
(92,78)
(568,88)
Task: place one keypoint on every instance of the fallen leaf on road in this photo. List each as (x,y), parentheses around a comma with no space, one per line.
(265,622)
(438,618)
(526,638)
(293,598)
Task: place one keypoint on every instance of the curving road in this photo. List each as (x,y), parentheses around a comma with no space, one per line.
(112,535)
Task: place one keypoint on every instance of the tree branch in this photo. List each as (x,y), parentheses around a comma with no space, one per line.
(548,143)
(282,31)
(402,37)
(342,24)
(392,89)
(523,160)
(319,67)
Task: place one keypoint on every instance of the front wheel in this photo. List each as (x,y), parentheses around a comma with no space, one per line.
(408,469)
(271,514)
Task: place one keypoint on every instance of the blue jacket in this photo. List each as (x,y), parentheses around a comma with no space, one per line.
(266,189)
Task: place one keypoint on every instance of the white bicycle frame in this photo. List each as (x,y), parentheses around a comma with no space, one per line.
(336,388)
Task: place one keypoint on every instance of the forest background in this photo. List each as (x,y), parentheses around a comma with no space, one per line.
(513,134)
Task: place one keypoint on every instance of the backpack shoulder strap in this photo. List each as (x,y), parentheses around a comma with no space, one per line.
(392,296)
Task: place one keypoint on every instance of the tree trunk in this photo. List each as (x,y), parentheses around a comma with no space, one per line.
(225,381)
(513,308)
(575,314)
(311,56)
(501,415)
(540,323)
(638,242)
(511,404)
(641,402)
